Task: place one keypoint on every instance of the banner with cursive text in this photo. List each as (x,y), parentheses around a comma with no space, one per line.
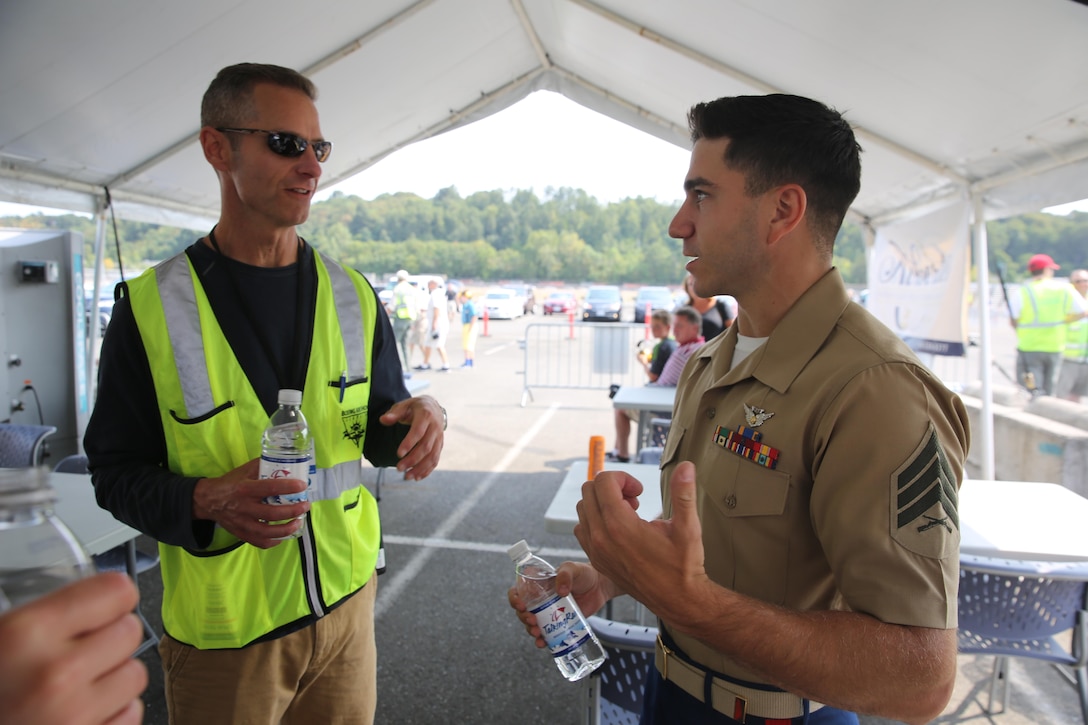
(918,278)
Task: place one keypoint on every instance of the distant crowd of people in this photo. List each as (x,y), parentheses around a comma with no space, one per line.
(422,321)
(677,334)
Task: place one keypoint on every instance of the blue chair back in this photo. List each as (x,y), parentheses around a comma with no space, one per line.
(615,692)
(21,445)
(1025,609)
(76,463)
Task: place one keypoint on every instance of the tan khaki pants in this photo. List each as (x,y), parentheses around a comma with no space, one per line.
(325,673)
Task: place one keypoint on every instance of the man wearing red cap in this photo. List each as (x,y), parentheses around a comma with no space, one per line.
(1040,314)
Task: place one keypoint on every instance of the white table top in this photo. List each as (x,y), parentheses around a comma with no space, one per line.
(94,527)
(645,397)
(1023,520)
(1003,519)
(562,513)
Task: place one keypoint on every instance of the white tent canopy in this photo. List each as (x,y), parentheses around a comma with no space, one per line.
(974,97)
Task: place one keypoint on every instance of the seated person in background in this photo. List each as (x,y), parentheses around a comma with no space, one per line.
(717,314)
(654,361)
(687,329)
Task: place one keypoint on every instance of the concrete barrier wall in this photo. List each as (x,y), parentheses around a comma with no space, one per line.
(1031,447)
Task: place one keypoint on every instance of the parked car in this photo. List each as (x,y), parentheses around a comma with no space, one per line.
(603,302)
(657,298)
(559,303)
(526,294)
(105,312)
(503,304)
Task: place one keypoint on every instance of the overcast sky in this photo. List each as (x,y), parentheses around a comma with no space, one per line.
(543,141)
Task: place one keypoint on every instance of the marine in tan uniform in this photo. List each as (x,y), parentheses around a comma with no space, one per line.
(810,554)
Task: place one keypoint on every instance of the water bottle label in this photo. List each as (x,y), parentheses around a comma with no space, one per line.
(300,467)
(563,628)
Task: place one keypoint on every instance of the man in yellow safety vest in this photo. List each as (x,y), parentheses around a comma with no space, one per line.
(1040,314)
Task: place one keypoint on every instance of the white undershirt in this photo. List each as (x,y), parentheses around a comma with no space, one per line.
(745,347)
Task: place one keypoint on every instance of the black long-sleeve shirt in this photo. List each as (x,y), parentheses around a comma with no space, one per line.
(257,309)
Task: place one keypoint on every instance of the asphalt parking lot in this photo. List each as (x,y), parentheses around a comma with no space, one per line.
(450,650)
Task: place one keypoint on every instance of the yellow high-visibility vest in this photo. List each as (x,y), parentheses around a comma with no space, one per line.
(232,594)
(1043,308)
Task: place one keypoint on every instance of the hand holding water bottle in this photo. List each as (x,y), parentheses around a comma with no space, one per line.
(237,502)
(66,657)
(560,624)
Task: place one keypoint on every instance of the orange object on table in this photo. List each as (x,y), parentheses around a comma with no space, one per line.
(596,456)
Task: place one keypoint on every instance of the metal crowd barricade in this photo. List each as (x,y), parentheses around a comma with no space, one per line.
(581,356)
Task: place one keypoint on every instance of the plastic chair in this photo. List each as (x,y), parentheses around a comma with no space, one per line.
(654,446)
(615,689)
(21,446)
(123,557)
(659,429)
(1019,609)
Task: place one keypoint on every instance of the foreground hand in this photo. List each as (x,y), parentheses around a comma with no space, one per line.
(590,590)
(422,446)
(235,501)
(659,563)
(67,658)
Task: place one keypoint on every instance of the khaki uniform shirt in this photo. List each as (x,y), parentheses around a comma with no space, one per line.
(858,511)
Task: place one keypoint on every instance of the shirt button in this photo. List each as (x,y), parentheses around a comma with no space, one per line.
(731,502)
(710,414)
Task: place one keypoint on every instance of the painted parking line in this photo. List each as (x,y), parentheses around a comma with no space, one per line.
(393,587)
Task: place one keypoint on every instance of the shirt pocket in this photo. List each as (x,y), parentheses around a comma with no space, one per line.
(745,521)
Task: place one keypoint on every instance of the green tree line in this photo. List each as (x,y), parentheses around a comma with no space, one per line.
(566,237)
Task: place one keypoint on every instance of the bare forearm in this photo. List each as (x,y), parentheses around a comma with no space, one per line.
(845,659)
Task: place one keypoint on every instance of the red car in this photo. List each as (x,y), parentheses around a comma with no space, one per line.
(560,303)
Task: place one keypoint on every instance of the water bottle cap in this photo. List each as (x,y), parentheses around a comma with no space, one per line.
(26,486)
(290,397)
(518,550)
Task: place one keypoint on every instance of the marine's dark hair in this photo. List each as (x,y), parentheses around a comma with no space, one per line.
(229,98)
(782,139)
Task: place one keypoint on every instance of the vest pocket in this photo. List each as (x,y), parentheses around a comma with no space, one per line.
(202,445)
(201,418)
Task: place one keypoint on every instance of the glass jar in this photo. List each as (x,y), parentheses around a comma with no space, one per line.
(38,553)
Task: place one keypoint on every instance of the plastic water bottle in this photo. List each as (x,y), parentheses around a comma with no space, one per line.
(38,553)
(575,647)
(287,449)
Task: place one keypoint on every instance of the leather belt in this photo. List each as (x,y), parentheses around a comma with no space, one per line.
(727,697)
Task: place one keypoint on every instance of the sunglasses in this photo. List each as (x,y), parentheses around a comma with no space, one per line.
(286,144)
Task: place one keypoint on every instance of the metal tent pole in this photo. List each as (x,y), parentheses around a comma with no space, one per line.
(982,265)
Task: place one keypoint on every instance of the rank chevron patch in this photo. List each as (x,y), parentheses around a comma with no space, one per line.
(925,483)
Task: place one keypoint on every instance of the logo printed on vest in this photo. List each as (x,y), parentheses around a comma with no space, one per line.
(354,424)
